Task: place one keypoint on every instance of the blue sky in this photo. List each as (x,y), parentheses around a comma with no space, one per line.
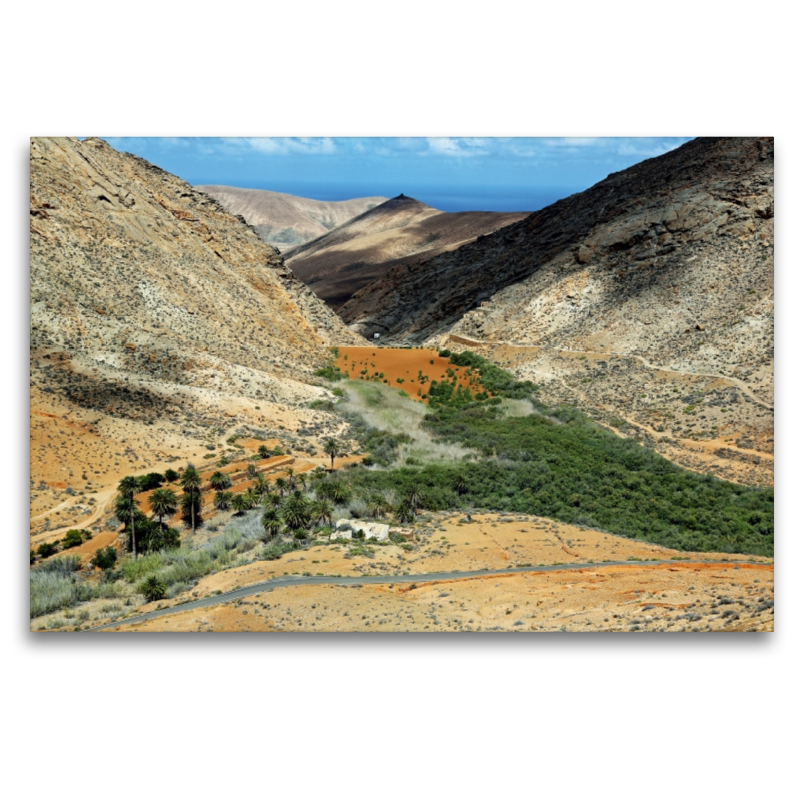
(449,173)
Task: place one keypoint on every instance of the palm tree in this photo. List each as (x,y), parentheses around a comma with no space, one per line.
(322,511)
(332,449)
(460,484)
(290,479)
(251,497)
(261,486)
(379,506)
(271,521)
(163,503)
(240,503)
(220,480)
(127,512)
(404,512)
(252,470)
(127,489)
(295,512)
(302,479)
(222,500)
(190,481)
(271,499)
(339,493)
(414,496)
(188,504)
(280,485)
(263,451)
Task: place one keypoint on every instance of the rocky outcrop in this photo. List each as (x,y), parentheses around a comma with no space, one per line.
(400,231)
(159,324)
(133,268)
(692,225)
(646,300)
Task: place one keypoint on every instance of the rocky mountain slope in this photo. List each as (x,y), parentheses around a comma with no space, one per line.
(158,321)
(400,231)
(664,269)
(284,220)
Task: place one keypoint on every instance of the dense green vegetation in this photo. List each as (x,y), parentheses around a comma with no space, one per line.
(557,463)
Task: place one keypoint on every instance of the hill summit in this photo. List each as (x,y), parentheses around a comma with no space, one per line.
(402,230)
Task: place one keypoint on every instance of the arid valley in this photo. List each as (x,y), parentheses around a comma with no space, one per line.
(252,411)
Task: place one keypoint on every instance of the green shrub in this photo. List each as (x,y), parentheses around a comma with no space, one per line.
(153,589)
(330,373)
(272,552)
(150,481)
(73,538)
(47,549)
(54,585)
(105,558)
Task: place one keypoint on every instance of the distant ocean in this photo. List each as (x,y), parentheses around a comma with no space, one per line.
(445,198)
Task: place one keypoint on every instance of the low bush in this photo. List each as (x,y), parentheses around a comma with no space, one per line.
(51,590)
(105,558)
(153,588)
(72,538)
(47,549)
(272,552)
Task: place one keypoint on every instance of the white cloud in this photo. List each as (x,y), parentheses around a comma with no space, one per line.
(460,148)
(285,146)
(280,145)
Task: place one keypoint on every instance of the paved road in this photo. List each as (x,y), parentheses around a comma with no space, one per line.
(351,580)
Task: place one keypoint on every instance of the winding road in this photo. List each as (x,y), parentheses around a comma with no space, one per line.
(358,580)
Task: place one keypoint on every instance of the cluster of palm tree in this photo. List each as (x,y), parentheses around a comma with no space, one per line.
(294,511)
(163,503)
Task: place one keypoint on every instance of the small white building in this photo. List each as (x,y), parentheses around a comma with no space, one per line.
(345,528)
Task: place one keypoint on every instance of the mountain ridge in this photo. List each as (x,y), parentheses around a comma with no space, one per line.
(402,230)
(158,320)
(285,220)
(670,262)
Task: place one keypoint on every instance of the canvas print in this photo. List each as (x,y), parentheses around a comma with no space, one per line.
(381,385)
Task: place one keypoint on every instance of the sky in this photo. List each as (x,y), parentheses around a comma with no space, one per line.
(448,173)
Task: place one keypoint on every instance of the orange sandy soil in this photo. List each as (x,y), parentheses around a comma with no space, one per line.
(677,598)
(602,598)
(89,451)
(272,469)
(398,365)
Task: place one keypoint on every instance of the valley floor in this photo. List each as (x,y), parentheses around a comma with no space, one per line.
(684,595)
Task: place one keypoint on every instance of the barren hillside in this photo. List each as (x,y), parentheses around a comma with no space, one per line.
(647,299)
(285,220)
(158,322)
(400,231)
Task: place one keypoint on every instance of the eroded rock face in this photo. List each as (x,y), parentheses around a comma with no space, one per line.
(158,322)
(647,299)
(620,253)
(132,267)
